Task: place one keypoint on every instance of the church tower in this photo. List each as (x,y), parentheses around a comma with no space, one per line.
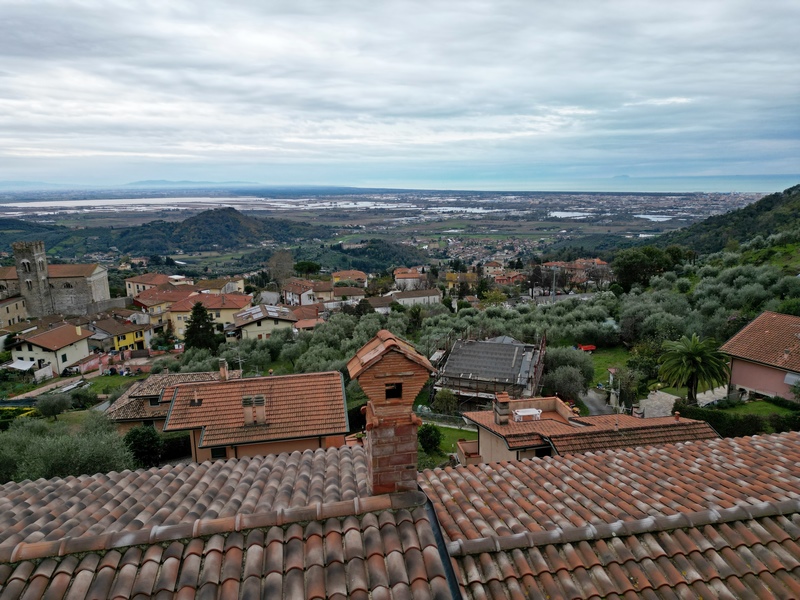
(34,283)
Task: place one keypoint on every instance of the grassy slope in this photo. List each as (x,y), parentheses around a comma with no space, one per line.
(606,358)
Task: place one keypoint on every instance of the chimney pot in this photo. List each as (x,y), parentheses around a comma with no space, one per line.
(247,408)
(223,369)
(261,412)
(77,329)
(677,416)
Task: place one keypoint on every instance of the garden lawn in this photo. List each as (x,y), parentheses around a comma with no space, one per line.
(606,358)
(450,436)
(105,384)
(758,408)
(73,418)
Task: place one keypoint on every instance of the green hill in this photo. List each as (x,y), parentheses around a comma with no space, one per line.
(221,228)
(772,214)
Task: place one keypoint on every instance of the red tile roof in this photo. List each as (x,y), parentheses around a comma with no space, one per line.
(350,274)
(149,279)
(56,271)
(297,406)
(593,434)
(285,526)
(261,312)
(771,338)
(349,291)
(384,342)
(167,293)
(213,302)
(654,518)
(130,405)
(58,337)
(309,311)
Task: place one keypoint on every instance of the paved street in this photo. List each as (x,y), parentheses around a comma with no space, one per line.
(596,401)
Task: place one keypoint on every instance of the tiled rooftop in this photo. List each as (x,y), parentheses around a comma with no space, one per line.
(129,406)
(771,339)
(383,342)
(58,337)
(297,406)
(266,529)
(86,506)
(167,293)
(149,279)
(592,434)
(263,311)
(56,271)
(213,302)
(718,518)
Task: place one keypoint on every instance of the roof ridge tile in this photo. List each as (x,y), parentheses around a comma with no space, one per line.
(207,528)
(601,531)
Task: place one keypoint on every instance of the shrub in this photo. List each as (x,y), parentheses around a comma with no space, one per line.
(177,444)
(145,444)
(52,406)
(429,438)
(445,402)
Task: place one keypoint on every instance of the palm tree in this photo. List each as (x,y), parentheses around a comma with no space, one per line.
(693,362)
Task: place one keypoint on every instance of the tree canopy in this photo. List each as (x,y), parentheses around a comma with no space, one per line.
(692,361)
(200,329)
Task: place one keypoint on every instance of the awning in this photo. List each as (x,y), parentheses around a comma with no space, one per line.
(21,365)
(791,378)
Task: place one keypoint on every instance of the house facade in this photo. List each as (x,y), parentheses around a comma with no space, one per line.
(137,284)
(765,355)
(221,307)
(258,322)
(298,292)
(421,297)
(61,347)
(12,311)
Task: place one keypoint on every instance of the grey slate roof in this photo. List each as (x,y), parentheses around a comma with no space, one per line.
(490,361)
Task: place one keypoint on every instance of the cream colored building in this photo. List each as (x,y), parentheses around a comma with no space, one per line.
(258,322)
(221,307)
(61,347)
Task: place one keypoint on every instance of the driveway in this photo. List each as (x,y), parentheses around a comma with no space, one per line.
(596,401)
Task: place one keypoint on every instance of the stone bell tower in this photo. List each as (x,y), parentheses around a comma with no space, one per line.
(34,282)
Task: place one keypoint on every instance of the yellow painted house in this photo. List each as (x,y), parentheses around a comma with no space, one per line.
(221,307)
(123,335)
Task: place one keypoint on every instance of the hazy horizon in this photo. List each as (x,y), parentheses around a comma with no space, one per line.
(517,95)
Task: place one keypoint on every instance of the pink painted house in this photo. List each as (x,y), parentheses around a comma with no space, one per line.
(765,355)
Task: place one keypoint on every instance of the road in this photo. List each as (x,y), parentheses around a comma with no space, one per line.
(596,401)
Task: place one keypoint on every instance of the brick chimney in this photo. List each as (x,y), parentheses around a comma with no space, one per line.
(223,369)
(391,373)
(501,409)
(247,408)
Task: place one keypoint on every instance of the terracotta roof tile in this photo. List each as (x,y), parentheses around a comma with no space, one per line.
(58,337)
(164,295)
(771,338)
(382,343)
(130,405)
(296,406)
(149,279)
(212,302)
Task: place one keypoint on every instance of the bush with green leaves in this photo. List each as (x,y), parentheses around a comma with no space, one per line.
(145,444)
(53,405)
(565,382)
(556,357)
(429,437)
(34,448)
(445,402)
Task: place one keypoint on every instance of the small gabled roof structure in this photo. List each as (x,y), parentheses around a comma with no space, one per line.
(297,406)
(341,291)
(771,339)
(58,337)
(383,342)
(130,405)
(261,312)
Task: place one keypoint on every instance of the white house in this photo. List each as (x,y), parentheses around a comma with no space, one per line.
(61,347)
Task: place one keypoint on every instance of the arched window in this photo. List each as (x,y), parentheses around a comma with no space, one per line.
(41,265)
(26,266)
(68,286)
(29,284)
(3,288)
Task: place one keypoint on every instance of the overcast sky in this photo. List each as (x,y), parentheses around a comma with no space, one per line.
(467,94)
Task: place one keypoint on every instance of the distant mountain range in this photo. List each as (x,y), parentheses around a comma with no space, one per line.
(772,214)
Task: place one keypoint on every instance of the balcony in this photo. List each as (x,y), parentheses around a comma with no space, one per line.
(467,452)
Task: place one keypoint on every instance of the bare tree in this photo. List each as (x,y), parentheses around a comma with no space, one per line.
(281,266)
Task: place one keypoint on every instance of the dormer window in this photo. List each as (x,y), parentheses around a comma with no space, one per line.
(394,390)
(153,402)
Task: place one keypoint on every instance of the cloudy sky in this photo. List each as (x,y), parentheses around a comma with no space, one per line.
(505,94)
